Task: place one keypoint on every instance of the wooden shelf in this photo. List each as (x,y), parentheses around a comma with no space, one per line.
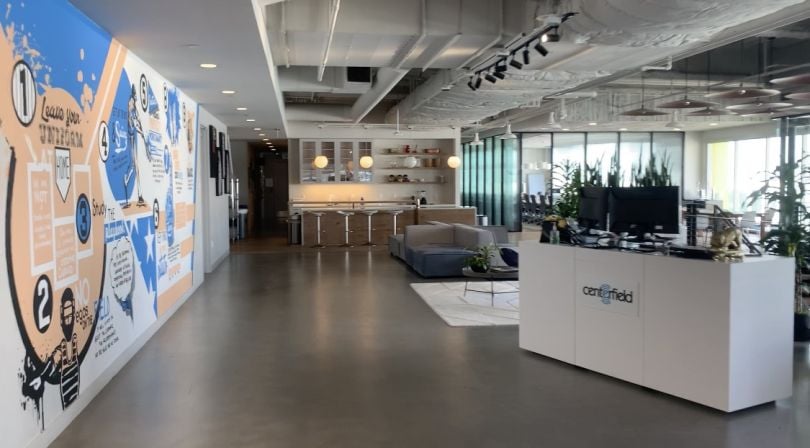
(415,168)
(410,155)
(412,183)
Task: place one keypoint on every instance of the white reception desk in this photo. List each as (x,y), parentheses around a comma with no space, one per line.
(719,334)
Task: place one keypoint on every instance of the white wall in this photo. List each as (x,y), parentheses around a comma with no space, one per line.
(215,219)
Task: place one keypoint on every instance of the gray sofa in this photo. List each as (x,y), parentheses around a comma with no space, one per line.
(438,249)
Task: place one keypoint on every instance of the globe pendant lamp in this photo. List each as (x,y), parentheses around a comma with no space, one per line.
(366,162)
(453,162)
(320,162)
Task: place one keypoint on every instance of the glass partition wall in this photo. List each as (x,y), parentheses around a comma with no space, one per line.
(497,173)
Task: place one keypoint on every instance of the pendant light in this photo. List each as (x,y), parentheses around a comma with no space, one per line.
(795,80)
(745,92)
(642,111)
(759,105)
(509,135)
(709,111)
(685,102)
(801,96)
(674,124)
(476,141)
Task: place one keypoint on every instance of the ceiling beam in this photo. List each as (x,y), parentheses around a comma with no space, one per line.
(334,9)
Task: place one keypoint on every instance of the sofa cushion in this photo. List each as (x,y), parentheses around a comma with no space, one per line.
(396,245)
(419,235)
(509,256)
(438,261)
(470,237)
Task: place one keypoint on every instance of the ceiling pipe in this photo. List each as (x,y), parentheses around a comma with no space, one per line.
(491,43)
(332,22)
(387,78)
(450,42)
(407,51)
(665,68)
(284,34)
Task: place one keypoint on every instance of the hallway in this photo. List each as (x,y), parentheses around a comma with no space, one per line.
(298,348)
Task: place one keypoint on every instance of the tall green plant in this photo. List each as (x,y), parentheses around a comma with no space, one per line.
(593,174)
(783,190)
(615,174)
(568,177)
(652,174)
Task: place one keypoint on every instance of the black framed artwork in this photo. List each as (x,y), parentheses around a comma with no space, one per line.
(227,172)
(213,165)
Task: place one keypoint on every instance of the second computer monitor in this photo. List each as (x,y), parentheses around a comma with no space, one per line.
(640,210)
(593,207)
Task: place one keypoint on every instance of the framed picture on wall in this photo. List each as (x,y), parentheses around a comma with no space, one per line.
(227,172)
(212,152)
(220,171)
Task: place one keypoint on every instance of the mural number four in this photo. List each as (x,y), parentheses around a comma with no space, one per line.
(23,93)
(42,304)
(103,141)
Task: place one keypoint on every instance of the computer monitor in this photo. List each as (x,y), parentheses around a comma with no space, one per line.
(640,210)
(593,207)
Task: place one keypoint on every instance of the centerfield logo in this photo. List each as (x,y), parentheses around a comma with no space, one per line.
(608,294)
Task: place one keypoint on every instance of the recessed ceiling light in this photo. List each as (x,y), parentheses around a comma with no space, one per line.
(190,46)
(228,92)
(676,129)
(257,129)
(250,120)
(592,123)
(712,124)
(272,149)
(208,65)
(262,135)
(241,108)
(565,129)
(622,129)
(265,139)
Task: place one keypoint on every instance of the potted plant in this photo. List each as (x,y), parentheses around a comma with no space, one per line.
(481,260)
(783,190)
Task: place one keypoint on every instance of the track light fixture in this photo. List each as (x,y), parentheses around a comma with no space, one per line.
(494,71)
(552,35)
(541,49)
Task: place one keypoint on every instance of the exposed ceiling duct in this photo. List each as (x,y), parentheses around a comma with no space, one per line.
(620,35)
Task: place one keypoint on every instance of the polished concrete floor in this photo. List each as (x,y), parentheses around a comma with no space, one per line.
(333,349)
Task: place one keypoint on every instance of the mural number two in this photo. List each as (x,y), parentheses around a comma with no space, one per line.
(43,304)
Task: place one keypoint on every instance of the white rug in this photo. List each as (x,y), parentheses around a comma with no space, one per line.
(448,301)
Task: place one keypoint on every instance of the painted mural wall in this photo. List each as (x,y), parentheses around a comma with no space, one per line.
(97,192)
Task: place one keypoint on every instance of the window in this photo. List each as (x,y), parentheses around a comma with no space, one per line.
(737,168)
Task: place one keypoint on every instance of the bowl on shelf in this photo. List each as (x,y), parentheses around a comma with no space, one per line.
(410,162)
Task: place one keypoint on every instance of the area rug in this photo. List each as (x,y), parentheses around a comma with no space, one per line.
(448,301)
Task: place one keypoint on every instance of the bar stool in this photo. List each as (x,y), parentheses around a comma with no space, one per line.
(395,213)
(346,215)
(317,216)
(369,214)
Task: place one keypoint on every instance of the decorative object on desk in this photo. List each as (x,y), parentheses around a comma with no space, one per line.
(481,260)
(410,162)
(453,162)
(784,190)
(547,226)
(366,162)
(727,245)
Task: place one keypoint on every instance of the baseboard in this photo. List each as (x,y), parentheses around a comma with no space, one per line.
(218,262)
(64,419)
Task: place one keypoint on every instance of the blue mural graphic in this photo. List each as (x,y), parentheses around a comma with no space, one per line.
(120,158)
(173,115)
(71,58)
(142,235)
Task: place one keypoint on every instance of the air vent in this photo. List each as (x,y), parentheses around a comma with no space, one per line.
(358,74)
